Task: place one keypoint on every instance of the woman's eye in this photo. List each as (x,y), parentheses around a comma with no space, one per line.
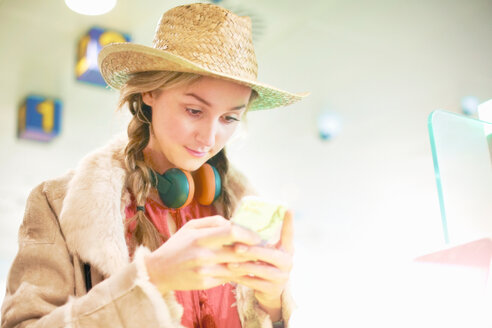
(230,119)
(193,112)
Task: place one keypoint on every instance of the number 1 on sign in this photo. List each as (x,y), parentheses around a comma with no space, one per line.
(47,110)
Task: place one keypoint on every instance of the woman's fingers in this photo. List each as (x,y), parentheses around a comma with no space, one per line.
(244,275)
(259,270)
(208,222)
(260,285)
(287,235)
(227,235)
(207,256)
(217,270)
(276,257)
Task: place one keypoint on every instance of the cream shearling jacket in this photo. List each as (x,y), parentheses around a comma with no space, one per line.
(77,219)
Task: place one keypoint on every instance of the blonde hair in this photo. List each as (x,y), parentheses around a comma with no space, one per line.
(139,178)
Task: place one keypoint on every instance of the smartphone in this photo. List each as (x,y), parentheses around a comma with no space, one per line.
(262,216)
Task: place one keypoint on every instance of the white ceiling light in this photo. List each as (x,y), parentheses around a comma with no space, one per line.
(91,7)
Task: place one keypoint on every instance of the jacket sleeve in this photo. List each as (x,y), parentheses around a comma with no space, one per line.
(252,316)
(41,284)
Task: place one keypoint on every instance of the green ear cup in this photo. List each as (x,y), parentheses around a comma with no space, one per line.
(218,183)
(174,187)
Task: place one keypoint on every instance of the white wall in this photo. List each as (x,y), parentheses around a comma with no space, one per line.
(367,199)
(364,201)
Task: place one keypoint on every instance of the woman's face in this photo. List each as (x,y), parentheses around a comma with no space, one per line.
(192,123)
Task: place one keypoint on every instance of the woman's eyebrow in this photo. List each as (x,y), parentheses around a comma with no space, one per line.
(208,104)
(198,98)
(238,107)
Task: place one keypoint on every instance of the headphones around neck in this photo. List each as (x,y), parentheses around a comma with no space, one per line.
(177,187)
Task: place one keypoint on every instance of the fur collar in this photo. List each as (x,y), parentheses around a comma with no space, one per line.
(92,216)
(93,211)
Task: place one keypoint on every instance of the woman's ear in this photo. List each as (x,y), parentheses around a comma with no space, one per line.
(148,98)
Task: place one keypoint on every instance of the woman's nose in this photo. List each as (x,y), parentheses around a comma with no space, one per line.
(206,134)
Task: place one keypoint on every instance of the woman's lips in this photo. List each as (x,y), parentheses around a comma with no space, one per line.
(196,153)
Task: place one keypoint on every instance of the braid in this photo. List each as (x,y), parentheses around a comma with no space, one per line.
(139,178)
(221,163)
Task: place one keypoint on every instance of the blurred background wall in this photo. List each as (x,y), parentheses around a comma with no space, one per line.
(364,199)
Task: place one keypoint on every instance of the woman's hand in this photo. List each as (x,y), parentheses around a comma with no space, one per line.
(196,256)
(267,269)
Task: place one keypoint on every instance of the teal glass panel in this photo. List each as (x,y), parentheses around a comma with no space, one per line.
(462,154)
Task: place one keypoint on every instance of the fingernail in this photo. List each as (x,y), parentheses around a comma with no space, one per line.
(241,249)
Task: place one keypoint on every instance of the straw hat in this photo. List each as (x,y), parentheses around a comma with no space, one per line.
(199,38)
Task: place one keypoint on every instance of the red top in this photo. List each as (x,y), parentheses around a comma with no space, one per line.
(209,308)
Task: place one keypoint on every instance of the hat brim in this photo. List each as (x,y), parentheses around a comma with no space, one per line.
(118,60)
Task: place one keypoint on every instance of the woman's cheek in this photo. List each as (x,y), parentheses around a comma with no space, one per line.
(179,132)
(229,131)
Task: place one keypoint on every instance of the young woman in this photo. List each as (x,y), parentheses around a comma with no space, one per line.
(138,235)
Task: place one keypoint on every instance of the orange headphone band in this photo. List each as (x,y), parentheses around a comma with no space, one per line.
(205,184)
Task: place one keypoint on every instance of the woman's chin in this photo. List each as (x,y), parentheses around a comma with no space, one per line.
(190,166)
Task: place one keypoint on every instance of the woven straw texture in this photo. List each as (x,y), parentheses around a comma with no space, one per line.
(200,38)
